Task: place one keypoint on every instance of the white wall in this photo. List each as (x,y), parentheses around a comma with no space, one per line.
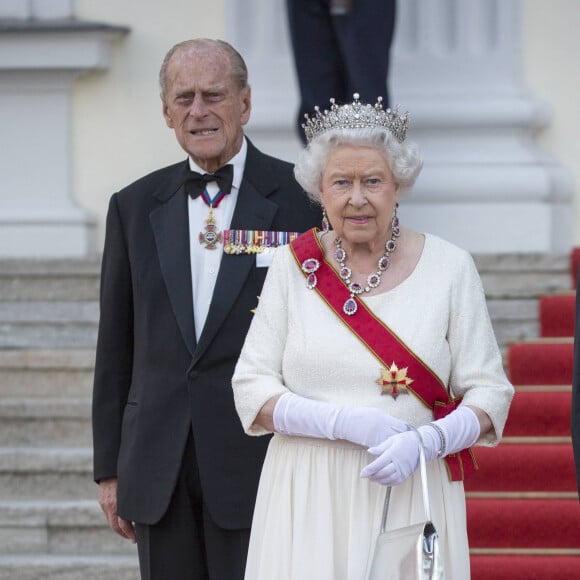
(118,130)
(551,68)
(119,133)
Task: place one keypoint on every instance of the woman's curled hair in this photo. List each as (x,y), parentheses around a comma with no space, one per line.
(404,159)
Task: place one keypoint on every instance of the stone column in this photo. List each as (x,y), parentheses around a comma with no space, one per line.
(456,67)
(42,51)
(486,185)
(258,29)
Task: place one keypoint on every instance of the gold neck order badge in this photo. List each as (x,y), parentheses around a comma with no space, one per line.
(394,381)
(210,237)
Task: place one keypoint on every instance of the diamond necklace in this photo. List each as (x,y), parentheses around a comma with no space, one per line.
(373,280)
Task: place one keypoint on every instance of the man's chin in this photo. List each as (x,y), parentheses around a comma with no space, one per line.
(206,156)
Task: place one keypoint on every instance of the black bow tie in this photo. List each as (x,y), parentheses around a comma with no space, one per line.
(195,182)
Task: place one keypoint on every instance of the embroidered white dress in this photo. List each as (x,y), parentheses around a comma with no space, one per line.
(315,518)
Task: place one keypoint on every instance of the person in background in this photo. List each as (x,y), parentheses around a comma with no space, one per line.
(363,330)
(186,252)
(339,47)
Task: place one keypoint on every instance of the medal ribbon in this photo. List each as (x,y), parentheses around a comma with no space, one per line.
(384,345)
(212,201)
(255,241)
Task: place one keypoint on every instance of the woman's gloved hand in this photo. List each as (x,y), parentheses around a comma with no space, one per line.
(366,426)
(398,456)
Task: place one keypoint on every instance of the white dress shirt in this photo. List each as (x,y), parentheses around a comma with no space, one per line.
(205,263)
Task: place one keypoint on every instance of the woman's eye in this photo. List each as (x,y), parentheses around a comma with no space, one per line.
(373,181)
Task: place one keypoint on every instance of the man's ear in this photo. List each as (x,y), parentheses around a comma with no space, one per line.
(166,115)
(246,108)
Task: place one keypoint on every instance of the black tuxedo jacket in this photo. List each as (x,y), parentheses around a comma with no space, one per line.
(153,382)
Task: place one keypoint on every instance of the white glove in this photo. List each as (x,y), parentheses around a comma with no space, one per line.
(398,457)
(366,426)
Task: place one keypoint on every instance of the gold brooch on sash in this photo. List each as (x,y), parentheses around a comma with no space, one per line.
(394,381)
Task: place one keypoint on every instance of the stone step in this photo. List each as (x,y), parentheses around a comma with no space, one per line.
(68,567)
(44,373)
(76,326)
(48,324)
(513,320)
(60,527)
(30,473)
(54,303)
(54,421)
(51,280)
(523,275)
(515,275)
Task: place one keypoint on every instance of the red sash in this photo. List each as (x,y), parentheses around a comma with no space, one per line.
(384,344)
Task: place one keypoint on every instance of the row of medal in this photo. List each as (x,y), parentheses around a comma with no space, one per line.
(255,241)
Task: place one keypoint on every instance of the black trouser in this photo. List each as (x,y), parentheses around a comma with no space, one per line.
(336,56)
(186,544)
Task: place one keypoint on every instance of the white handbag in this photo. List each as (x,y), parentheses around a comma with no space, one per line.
(412,552)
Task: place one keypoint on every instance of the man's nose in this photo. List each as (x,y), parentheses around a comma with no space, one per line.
(198,107)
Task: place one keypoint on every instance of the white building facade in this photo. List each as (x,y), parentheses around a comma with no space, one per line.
(492,112)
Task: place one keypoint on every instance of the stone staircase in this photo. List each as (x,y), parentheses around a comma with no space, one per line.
(51,526)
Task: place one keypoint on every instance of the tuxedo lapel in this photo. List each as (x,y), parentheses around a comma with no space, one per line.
(171,230)
(253,211)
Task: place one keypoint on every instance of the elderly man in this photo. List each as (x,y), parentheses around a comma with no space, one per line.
(176,473)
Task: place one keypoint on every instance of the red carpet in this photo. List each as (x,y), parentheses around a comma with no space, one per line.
(524,567)
(557,315)
(524,468)
(541,363)
(540,409)
(524,523)
(523,513)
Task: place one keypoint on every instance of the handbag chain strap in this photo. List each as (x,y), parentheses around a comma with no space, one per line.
(423,473)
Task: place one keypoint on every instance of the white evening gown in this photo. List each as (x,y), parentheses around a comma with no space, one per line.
(315,518)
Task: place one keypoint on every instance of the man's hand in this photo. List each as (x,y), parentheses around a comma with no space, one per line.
(108,503)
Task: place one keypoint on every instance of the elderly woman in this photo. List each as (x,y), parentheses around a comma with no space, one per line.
(364,329)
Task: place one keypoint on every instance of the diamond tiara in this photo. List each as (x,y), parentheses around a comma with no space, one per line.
(356,115)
